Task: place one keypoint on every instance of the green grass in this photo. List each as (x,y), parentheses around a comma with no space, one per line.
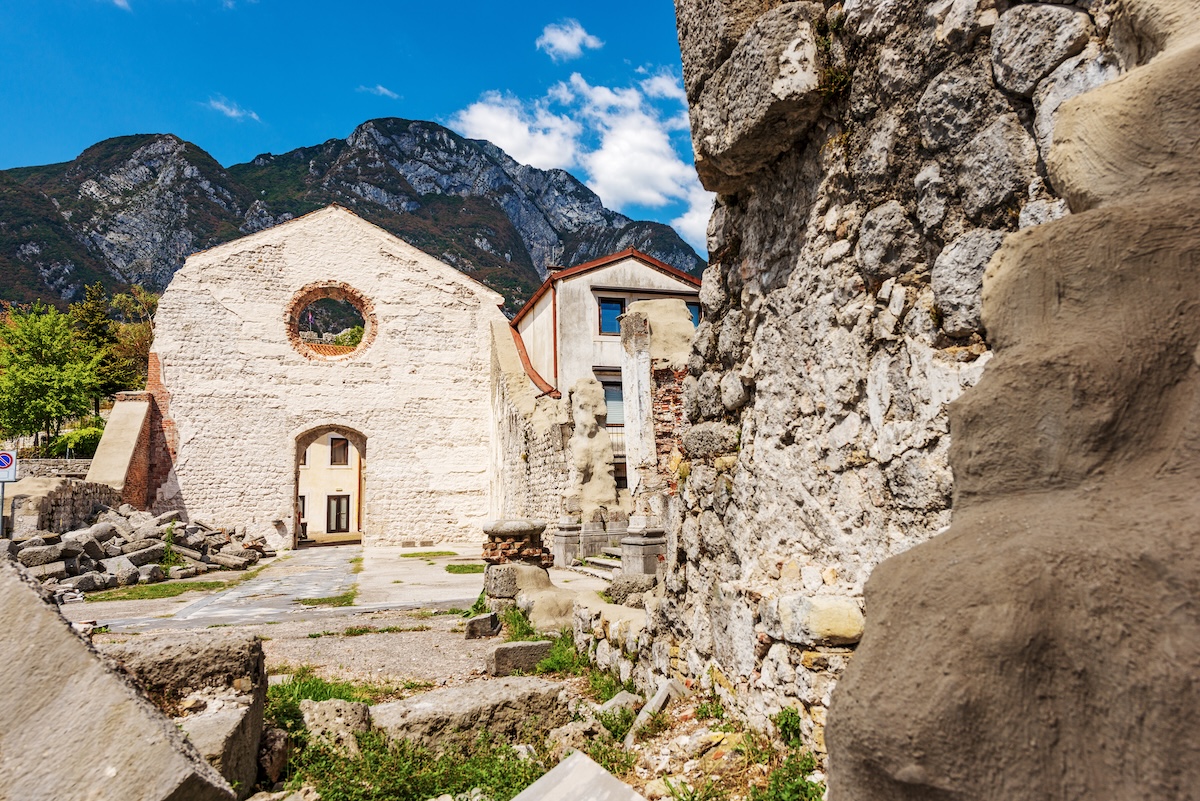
(657,724)
(356,564)
(283,700)
(618,721)
(789,781)
(406,771)
(563,658)
(611,756)
(345,599)
(358,631)
(460,569)
(428,554)
(517,627)
(477,608)
(603,686)
(149,592)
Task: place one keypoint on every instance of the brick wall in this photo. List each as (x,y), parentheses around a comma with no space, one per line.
(59,506)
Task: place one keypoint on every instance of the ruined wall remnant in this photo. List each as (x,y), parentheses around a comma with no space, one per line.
(870,158)
(592,486)
(529,443)
(1047,645)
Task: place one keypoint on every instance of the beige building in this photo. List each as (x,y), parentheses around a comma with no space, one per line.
(329,487)
(390,438)
(570,329)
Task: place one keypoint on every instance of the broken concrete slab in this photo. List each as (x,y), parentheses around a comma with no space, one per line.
(173,665)
(667,691)
(483,626)
(337,723)
(228,739)
(509,707)
(508,658)
(579,778)
(145,556)
(132,750)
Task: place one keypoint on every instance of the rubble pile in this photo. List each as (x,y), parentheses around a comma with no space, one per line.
(126,546)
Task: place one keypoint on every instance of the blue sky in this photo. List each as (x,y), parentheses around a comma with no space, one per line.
(592,88)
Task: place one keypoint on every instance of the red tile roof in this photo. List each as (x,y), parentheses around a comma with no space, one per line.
(603,261)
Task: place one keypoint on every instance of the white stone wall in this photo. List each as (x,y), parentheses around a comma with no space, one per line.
(241,394)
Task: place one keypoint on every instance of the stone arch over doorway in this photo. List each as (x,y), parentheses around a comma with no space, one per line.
(329,493)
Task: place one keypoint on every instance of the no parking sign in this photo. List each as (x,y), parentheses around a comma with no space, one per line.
(8,472)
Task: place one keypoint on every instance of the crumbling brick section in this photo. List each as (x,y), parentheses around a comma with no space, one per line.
(670,423)
(163,440)
(516,541)
(137,491)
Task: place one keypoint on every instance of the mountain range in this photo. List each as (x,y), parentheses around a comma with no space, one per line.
(131,209)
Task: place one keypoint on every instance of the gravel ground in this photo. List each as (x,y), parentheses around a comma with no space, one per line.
(437,652)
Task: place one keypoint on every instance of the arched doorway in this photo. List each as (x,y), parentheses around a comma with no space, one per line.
(329,486)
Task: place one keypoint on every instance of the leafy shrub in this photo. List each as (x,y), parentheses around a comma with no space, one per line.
(787,723)
(618,721)
(82,442)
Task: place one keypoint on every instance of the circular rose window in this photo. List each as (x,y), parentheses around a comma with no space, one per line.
(330,321)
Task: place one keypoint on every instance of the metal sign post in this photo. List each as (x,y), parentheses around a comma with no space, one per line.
(8,472)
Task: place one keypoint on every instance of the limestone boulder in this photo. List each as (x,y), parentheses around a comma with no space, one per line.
(888,242)
(512,707)
(1030,40)
(336,723)
(125,747)
(228,739)
(996,166)
(761,99)
(957,280)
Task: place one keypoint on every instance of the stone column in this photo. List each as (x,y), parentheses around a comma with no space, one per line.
(643,547)
(567,541)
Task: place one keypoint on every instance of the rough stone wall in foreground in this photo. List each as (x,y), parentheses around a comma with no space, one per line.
(870,159)
(1048,644)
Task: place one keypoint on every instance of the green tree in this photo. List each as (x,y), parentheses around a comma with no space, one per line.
(47,374)
(96,328)
(134,330)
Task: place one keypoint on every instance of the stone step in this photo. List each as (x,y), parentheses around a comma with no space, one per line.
(603,561)
(613,551)
(595,572)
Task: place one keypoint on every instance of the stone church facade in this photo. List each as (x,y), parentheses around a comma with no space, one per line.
(242,396)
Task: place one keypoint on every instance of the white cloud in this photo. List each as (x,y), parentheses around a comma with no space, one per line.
(123,4)
(664,85)
(624,139)
(380,90)
(566,40)
(530,133)
(692,225)
(231,109)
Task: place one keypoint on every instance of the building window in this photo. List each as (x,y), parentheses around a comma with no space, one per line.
(614,399)
(339,451)
(304,457)
(610,310)
(301,504)
(337,517)
(694,308)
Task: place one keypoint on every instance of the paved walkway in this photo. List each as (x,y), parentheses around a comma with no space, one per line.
(388,580)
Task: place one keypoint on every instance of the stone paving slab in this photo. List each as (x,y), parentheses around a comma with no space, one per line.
(388,580)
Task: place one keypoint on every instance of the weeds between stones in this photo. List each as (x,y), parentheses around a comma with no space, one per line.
(345,599)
